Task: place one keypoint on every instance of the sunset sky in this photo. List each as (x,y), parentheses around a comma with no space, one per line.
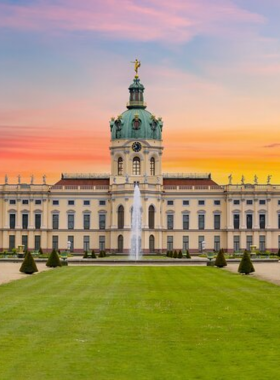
(211,69)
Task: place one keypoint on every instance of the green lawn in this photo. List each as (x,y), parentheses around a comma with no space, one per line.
(130,323)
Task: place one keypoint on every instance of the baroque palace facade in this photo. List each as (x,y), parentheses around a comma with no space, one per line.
(179,211)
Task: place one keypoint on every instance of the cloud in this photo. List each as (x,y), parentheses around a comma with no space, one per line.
(272,145)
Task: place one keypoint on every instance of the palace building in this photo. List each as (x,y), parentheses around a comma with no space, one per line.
(179,211)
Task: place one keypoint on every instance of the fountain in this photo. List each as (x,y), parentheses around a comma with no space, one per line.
(136,227)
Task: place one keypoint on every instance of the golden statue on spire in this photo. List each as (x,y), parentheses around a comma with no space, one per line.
(137,64)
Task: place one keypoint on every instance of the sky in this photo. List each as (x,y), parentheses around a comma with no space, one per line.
(211,70)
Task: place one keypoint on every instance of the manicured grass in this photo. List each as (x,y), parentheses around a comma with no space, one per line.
(130,323)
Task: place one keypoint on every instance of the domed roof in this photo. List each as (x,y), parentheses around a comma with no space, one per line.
(136,122)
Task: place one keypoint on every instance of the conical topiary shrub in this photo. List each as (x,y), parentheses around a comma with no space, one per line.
(175,255)
(220,261)
(180,255)
(85,255)
(41,251)
(188,256)
(93,255)
(278,253)
(246,265)
(53,260)
(28,265)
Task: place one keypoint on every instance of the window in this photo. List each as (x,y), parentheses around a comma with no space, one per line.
(217,222)
(12,201)
(25,201)
(249,202)
(55,221)
(12,242)
(278,201)
(120,243)
(262,221)
(201,222)
(12,221)
(102,221)
(71,240)
(101,243)
(86,243)
(262,243)
(151,217)
(278,241)
(38,202)
(236,243)
(120,217)
(170,203)
(262,201)
(24,221)
(55,242)
(236,201)
(37,221)
(249,242)
(278,221)
(86,203)
(217,243)
(236,221)
(152,243)
(152,166)
(170,222)
(186,222)
(86,221)
(37,244)
(136,166)
(249,221)
(24,241)
(186,203)
(102,203)
(71,203)
(185,243)
(55,202)
(217,202)
(200,243)
(169,243)
(71,221)
(201,203)
(120,166)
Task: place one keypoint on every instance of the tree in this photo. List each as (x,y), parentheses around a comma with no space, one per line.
(53,260)
(28,265)
(180,255)
(220,261)
(246,265)
(188,256)
(175,254)
(41,251)
(93,255)
(85,255)
(278,253)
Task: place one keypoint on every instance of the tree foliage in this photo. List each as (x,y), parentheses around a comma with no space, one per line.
(28,265)
(246,265)
(220,261)
(53,260)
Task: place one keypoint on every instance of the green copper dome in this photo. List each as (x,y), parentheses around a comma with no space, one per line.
(136,122)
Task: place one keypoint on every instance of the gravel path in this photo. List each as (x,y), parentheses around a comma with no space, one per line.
(10,271)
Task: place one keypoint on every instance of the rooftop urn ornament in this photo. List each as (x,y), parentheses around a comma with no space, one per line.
(137,64)
(269,179)
(256,180)
(44,179)
(32,179)
(19,178)
(230,179)
(6,179)
(242,180)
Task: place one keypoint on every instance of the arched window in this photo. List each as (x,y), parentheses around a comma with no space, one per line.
(152,166)
(152,243)
(120,243)
(120,217)
(136,166)
(120,166)
(151,217)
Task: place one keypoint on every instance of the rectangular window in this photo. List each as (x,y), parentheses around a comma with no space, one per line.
(262,243)
(55,242)
(101,243)
(217,222)
(24,241)
(249,202)
(278,221)
(217,243)
(236,221)
(12,242)
(86,203)
(12,221)
(71,221)
(278,241)
(186,222)
(71,203)
(236,243)
(71,240)
(249,221)
(38,202)
(170,221)
(249,242)
(236,201)
(55,203)
(201,222)
(25,201)
(169,243)
(170,203)
(86,243)
(25,221)
(200,243)
(102,221)
(102,203)
(262,202)
(262,221)
(217,202)
(12,201)
(186,203)
(185,243)
(201,203)
(38,221)
(86,221)
(278,201)
(37,242)
(55,221)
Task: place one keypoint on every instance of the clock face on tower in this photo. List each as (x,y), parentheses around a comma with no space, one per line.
(136,146)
